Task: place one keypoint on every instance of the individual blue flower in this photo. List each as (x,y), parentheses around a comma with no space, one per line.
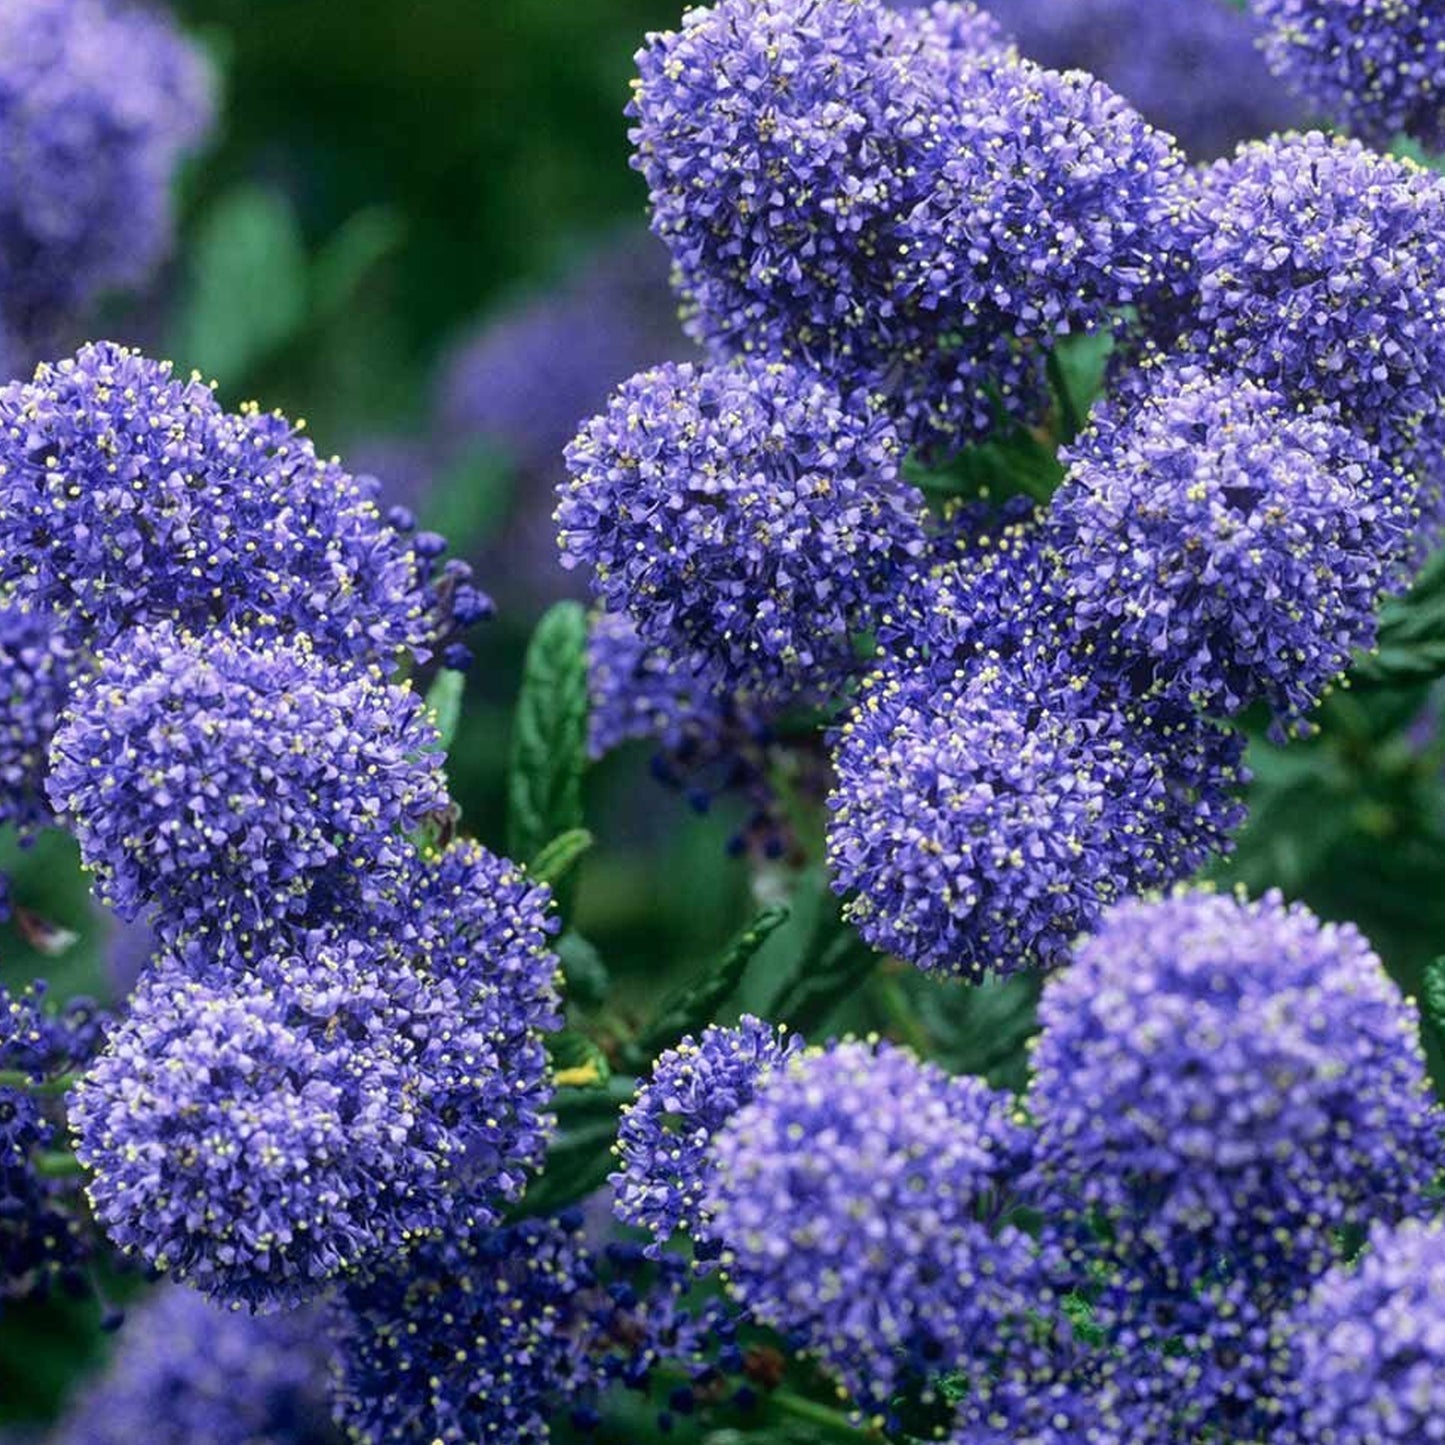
(1368,1347)
(666,1134)
(1190,68)
(748,514)
(128,496)
(38,665)
(858,1201)
(1225,1085)
(781,143)
(99,102)
(223,775)
(186,1371)
(1377,67)
(1225,545)
(981,821)
(1320,274)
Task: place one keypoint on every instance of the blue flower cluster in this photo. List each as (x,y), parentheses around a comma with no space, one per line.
(99,102)
(1375,66)
(1225,1094)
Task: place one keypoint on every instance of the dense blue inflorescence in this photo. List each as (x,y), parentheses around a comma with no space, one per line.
(38,665)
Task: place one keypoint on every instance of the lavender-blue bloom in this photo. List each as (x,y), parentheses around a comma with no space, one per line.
(1320,273)
(781,142)
(747,513)
(226,776)
(128,496)
(857,1201)
(1375,66)
(37,666)
(186,1371)
(1227,546)
(99,101)
(1190,66)
(1227,1084)
(666,1135)
(1369,1346)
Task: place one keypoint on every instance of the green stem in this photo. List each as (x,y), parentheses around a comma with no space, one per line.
(45,1088)
(58,1164)
(833,1421)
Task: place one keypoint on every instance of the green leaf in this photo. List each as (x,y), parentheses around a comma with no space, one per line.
(1410,647)
(1434,991)
(1015,463)
(695,1006)
(549,737)
(581,1157)
(577,1062)
(561,856)
(247,291)
(831,968)
(587,980)
(444,702)
(357,247)
(1077,369)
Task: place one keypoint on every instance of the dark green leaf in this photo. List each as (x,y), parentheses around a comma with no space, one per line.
(833,965)
(1434,991)
(587,980)
(576,1055)
(358,246)
(1077,370)
(1410,648)
(444,702)
(561,855)
(581,1158)
(1014,464)
(696,1006)
(549,737)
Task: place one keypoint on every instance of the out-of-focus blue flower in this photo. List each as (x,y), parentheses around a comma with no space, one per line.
(1377,67)
(746,514)
(99,101)
(219,777)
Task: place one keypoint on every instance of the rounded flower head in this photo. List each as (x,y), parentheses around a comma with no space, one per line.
(1228,1083)
(781,142)
(745,513)
(37,667)
(219,775)
(666,1134)
(1377,67)
(186,1370)
(856,1200)
(128,496)
(981,822)
(1320,273)
(1369,1346)
(99,100)
(1226,546)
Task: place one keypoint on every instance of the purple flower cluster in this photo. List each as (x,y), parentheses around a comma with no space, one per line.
(1375,66)
(1190,66)
(99,102)
(222,776)
(1225,545)
(1227,1085)
(37,665)
(746,514)
(187,1371)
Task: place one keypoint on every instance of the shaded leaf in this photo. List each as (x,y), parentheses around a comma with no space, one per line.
(561,856)
(444,702)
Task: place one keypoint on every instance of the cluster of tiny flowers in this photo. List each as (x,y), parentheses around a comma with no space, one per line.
(747,514)
(1228,545)
(1369,1346)
(665,1139)
(37,665)
(857,1203)
(1377,67)
(99,102)
(1190,68)
(187,1371)
(1228,1085)
(261,1125)
(222,776)
(43,1239)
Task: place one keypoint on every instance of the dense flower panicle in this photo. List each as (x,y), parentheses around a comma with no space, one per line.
(1226,546)
(37,667)
(1320,273)
(222,776)
(747,513)
(981,822)
(1189,66)
(857,1201)
(128,496)
(1377,67)
(1369,1345)
(472,1339)
(1050,206)
(1229,1083)
(264,1123)
(99,101)
(187,1371)
(780,141)
(665,1139)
